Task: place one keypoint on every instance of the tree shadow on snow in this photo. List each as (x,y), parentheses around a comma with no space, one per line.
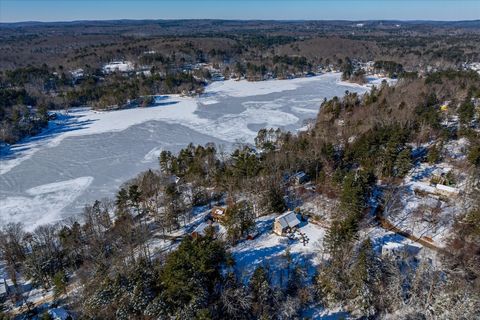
(67,124)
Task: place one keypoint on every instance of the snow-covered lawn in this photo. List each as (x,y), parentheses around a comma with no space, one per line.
(269,249)
(387,241)
(457,149)
(424,211)
(162,242)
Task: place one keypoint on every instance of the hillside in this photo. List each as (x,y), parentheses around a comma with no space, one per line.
(380,201)
(75,44)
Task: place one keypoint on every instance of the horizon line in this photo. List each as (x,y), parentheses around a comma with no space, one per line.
(245,19)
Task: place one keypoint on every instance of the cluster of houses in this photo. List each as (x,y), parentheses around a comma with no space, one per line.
(367,67)
(77,75)
(122,66)
(128,67)
(214,71)
(283,225)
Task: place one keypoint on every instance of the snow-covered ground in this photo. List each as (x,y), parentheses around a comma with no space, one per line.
(320,313)
(268,250)
(86,154)
(425,210)
(167,241)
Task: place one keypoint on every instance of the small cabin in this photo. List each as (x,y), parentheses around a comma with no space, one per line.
(285,222)
(218,213)
(173,179)
(252,234)
(300,177)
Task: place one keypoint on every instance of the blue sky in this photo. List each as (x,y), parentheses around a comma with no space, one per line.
(67,10)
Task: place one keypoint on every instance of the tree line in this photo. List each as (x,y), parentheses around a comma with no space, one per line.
(110,254)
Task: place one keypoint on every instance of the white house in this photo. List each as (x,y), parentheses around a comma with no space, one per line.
(77,73)
(122,66)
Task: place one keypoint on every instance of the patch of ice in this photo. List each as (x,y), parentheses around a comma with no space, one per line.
(15,154)
(208,102)
(174,109)
(153,154)
(239,124)
(42,204)
(234,127)
(244,88)
(305,110)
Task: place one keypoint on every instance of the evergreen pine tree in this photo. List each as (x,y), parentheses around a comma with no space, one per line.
(364,278)
(403,163)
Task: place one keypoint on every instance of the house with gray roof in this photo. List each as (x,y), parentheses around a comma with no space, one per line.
(284,222)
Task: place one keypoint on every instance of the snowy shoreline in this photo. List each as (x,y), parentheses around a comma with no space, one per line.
(227,113)
(174,109)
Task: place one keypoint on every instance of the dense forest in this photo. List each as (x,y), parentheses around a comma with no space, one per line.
(361,148)
(74,45)
(60,75)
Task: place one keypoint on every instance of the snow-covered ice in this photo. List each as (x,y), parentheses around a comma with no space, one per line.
(244,88)
(112,147)
(152,155)
(42,204)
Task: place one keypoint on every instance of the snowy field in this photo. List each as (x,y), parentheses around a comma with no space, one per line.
(268,250)
(86,155)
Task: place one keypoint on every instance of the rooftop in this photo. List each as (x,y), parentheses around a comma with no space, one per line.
(288,219)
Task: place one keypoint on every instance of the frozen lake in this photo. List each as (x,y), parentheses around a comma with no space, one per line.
(88,155)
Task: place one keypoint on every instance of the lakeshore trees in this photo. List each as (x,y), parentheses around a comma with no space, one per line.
(121,278)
